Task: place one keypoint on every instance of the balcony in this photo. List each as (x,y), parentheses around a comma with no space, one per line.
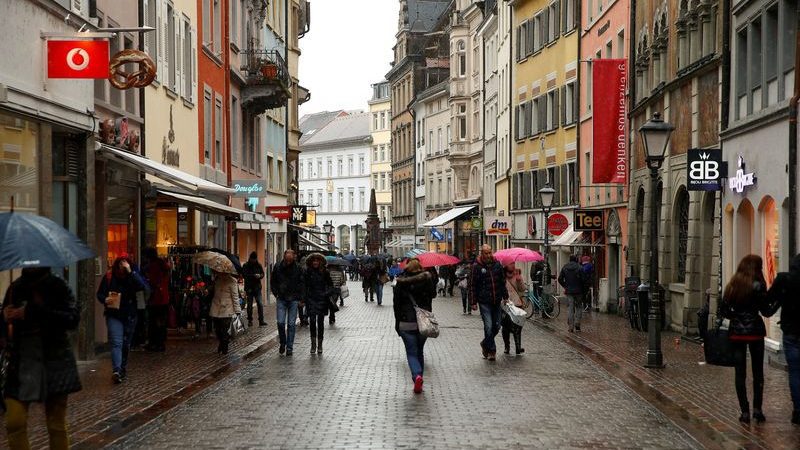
(267,81)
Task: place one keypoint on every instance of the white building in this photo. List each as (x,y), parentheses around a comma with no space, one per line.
(335,177)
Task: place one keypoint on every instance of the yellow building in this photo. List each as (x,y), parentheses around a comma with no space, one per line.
(545,39)
(381,153)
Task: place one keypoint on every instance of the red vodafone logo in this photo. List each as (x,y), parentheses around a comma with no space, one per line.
(557,224)
(77,59)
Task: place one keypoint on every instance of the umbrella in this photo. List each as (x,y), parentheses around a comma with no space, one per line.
(335,261)
(216,261)
(517,254)
(350,257)
(28,240)
(237,265)
(414,252)
(430,259)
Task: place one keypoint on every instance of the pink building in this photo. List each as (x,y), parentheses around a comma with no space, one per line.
(604,24)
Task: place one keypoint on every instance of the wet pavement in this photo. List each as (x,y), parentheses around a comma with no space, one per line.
(358,395)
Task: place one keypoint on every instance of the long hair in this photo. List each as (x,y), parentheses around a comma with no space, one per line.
(740,286)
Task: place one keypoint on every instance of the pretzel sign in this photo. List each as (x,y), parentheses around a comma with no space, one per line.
(140,78)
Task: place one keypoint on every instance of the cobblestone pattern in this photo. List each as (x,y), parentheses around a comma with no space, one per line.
(358,395)
(700,393)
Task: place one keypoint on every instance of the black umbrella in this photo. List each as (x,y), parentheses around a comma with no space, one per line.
(350,257)
(28,240)
(234,259)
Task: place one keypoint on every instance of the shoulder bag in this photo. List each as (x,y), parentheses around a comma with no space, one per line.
(344,291)
(718,347)
(426,322)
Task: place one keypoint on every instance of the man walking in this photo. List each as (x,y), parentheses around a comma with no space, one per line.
(573,280)
(253,273)
(488,290)
(287,286)
(156,271)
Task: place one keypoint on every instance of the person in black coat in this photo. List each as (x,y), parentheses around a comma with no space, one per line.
(488,290)
(573,279)
(414,285)
(318,291)
(38,311)
(253,273)
(783,294)
(287,287)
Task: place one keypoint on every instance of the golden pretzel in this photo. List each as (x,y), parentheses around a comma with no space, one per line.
(140,78)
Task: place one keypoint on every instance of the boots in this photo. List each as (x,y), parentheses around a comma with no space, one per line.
(319,347)
(518,341)
(507,348)
(313,346)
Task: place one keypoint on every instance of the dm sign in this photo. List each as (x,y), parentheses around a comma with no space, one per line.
(249,188)
(588,220)
(705,169)
(498,226)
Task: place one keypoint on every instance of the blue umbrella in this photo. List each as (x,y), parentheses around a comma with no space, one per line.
(335,261)
(28,240)
(350,257)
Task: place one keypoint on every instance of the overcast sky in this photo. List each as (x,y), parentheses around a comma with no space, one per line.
(348,48)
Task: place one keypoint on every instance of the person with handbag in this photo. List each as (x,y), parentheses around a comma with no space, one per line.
(318,290)
(488,290)
(783,294)
(516,288)
(462,275)
(117,293)
(744,302)
(224,306)
(38,312)
(414,287)
(338,278)
(157,272)
(253,273)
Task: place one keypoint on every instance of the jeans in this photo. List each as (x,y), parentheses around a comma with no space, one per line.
(464,300)
(316,324)
(55,415)
(287,316)
(378,288)
(158,326)
(120,336)
(491,325)
(415,344)
(574,311)
(259,307)
(791,347)
(221,326)
(757,359)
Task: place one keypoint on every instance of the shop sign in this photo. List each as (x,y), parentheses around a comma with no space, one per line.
(311,219)
(498,226)
(741,180)
(476,223)
(298,214)
(588,220)
(705,169)
(407,239)
(557,224)
(436,234)
(77,59)
(279,212)
(169,154)
(531,225)
(249,188)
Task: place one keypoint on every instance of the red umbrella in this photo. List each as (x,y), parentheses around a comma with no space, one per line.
(430,259)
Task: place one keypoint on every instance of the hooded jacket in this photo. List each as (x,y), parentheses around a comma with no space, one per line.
(226,297)
(287,281)
(572,278)
(783,294)
(253,273)
(416,288)
(318,286)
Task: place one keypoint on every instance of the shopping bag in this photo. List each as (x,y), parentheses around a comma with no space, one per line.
(718,347)
(427,324)
(237,327)
(345,291)
(515,313)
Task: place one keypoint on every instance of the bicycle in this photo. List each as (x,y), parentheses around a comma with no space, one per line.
(546,303)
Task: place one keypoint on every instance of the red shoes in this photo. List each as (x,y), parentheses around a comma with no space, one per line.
(418,384)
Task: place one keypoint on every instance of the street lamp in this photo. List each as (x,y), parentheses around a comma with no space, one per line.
(655,135)
(328,227)
(546,195)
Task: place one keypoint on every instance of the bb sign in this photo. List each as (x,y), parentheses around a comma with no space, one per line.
(705,169)
(588,220)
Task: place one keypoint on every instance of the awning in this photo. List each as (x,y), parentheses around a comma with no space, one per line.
(572,238)
(207,205)
(162,171)
(394,243)
(449,216)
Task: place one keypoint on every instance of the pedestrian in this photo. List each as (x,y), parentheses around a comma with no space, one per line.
(318,290)
(444,277)
(253,273)
(744,302)
(488,290)
(588,272)
(117,293)
(414,287)
(157,272)
(339,280)
(462,275)
(368,279)
(38,311)
(573,280)
(783,294)
(224,306)
(516,288)
(287,287)
(451,279)
(379,279)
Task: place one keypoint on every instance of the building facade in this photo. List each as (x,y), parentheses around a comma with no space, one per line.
(505,116)
(488,35)
(381,168)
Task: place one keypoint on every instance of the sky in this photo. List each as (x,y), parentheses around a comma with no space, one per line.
(348,48)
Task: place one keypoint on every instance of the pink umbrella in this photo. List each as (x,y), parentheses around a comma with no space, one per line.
(430,259)
(517,254)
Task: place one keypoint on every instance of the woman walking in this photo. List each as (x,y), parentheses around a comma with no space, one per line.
(462,274)
(38,310)
(223,307)
(414,286)
(338,278)
(516,288)
(117,293)
(744,298)
(319,288)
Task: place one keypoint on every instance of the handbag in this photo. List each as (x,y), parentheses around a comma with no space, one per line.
(344,291)
(237,327)
(515,313)
(718,347)
(384,278)
(427,324)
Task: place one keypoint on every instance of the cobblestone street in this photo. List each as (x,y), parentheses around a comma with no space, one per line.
(358,395)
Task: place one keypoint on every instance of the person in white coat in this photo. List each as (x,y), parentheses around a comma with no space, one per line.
(224,305)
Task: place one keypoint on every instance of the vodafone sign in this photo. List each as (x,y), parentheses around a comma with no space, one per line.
(77,59)
(557,224)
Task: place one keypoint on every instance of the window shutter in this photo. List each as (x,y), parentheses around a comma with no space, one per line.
(159,37)
(557,19)
(148,37)
(575,102)
(516,122)
(564,25)
(543,113)
(555,109)
(528,118)
(575,15)
(193,70)
(164,48)
(179,69)
(563,106)
(531,34)
(517,40)
(546,25)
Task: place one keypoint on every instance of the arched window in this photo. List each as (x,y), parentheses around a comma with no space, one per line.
(682,222)
(462,58)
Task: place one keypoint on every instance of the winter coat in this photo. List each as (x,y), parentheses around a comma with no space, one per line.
(287,281)
(488,283)
(226,297)
(318,287)
(253,273)
(419,287)
(40,349)
(157,274)
(128,286)
(746,322)
(572,278)
(783,294)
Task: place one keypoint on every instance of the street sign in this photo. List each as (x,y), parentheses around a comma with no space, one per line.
(704,169)
(557,224)
(588,220)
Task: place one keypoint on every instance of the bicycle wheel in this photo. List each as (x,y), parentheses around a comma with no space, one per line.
(550,306)
(529,309)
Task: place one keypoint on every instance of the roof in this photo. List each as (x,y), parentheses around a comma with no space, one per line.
(311,123)
(424,14)
(350,127)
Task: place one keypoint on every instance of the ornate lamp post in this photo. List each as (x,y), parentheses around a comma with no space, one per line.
(655,136)
(546,195)
(328,227)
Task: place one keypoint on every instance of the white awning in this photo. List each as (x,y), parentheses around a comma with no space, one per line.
(570,237)
(207,205)
(449,216)
(163,171)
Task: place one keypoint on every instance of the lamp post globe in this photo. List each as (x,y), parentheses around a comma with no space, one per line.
(655,136)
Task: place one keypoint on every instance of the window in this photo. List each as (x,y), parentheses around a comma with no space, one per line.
(351,200)
(375,154)
(361,166)
(207,124)
(538,37)
(383,120)
(350,170)
(217,27)
(569,110)
(754,77)
(621,44)
(476,124)
(682,211)
(439,139)
(461,121)
(361,199)
(341,200)
(319,168)
(771,68)
(234,120)
(339,168)
(383,153)
(243,38)
(302,198)
(218,132)
(374,121)
(234,20)
(206,21)
(151,39)
(330,168)
(553,24)
(310,173)
(430,142)
(569,21)
(590,10)
(462,58)
(255,154)
(552,110)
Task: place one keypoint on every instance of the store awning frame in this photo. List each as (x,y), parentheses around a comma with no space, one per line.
(449,216)
(162,171)
(572,238)
(213,207)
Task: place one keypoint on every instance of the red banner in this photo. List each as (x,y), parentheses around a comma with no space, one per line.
(279,212)
(77,59)
(610,146)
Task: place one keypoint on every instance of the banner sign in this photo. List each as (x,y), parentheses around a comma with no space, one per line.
(705,169)
(279,212)
(249,188)
(557,224)
(588,220)
(498,226)
(610,145)
(77,59)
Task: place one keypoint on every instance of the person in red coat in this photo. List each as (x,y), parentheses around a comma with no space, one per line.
(156,271)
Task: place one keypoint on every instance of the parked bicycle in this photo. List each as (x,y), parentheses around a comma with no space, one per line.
(544,302)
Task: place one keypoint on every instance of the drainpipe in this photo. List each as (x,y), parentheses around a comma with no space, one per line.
(793,107)
(511,102)
(724,118)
